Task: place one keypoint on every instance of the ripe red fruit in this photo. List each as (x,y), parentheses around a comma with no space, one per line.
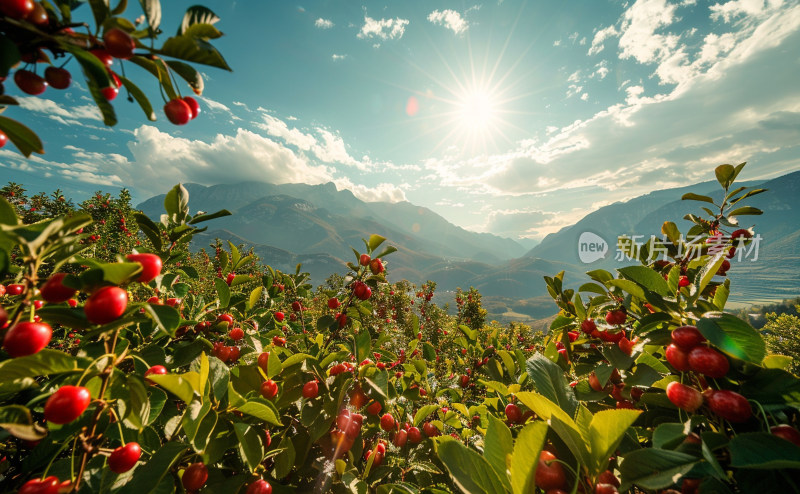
(463,381)
(279,316)
(724,267)
(57,77)
(236,334)
(513,413)
(103,56)
(263,361)
(728,404)
(233,354)
(193,106)
(616,317)
(588,326)
(3,136)
(376,266)
(267,439)
(15,289)
(225,318)
(178,112)
(605,489)
(297,306)
(195,476)
(400,438)
(224,353)
(430,430)
(29,82)
(708,362)
(278,341)
(414,435)
(36,486)
(740,233)
(310,390)
(364,259)
(106,305)
(172,302)
(119,44)
(124,458)
(157,370)
(683,281)
(54,291)
(387,422)
(594,382)
(608,477)
(625,345)
(362,291)
(66,404)
(151,266)
(27,338)
(549,473)
(687,337)
(230,278)
(17,9)
(38,16)
(678,358)
(333,303)
(787,432)
(684,397)
(260,486)
(374,408)
(269,389)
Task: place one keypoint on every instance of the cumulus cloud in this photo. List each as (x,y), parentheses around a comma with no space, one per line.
(600,37)
(53,109)
(323,23)
(450,19)
(383,192)
(383,29)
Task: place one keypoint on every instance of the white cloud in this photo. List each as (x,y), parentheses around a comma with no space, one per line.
(49,107)
(585,96)
(337,57)
(383,192)
(450,19)
(729,10)
(323,23)
(600,37)
(278,128)
(640,23)
(383,29)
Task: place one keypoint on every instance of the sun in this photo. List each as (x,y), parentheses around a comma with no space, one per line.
(477,110)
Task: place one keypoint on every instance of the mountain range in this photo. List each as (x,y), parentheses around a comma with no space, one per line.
(316,225)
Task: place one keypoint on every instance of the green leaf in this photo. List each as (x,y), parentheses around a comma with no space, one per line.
(375,241)
(67,316)
(254,297)
(630,287)
(149,475)
(152,11)
(176,384)
(527,448)
(223,292)
(691,196)
(24,138)
(284,462)
(261,411)
(149,228)
(199,218)
(189,74)
(8,215)
(176,203)
(423,413)
(726,174)
(167,318)
(197,14)
(17,421)
(9,55)
(470,471)
(363,347)
(651,468)
(646,277)
(550,382)
(562,424)
(250,448)
(100,11)
(140,98)
(606,432)
(733,336)
(46,362)
(97,76)
(498,446)
(193,47)
(763,451)
(746,211)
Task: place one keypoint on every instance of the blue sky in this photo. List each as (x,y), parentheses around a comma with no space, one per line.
(516,118)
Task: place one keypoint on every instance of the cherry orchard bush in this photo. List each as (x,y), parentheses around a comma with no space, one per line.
(156,371)
(34,35)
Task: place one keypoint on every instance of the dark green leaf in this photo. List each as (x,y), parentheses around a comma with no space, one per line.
(764,451)
(498,445)
(470,471)
(250,448)
(655,468)
(24,138)
(149,475)
(647,278)
(691,196)
(549,380)
(733,336)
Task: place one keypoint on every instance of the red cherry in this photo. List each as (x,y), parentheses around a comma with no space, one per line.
(267,439)
(376,266)
(683,281)
(678,358)
(740,233)
(236,334)
(684,397)
(38,16)
(195,476)
(157,370)
(608,477)
(3,136)
(708,362)
(269,389)
(362,291)
(333,303)
(193,106)
(625,345)
(588,326)
(594,382)
(374,408)
(72,302)
(687,337)
(124,458)
(103,56)
(119,44)
(15,289)
(66,404)
(513,413)
(605,489)
(225,318)
(400,438)
(260,486)
(151,266)
(357,398)
(54,291)
(57,77)
(17,9)
(430,430)
(463,381)
(728,404)
(27,338)
(263,361)
(110,92)
(278,341)
(36,486)
(178,112)
(364,259)
(106,304)
(387,422)
(29,82)
(172,302)
(230,278)
(279,316)
(787,432)
(297,306)
(224,353)
(549,473)
(310,390)
(616,317)
(414,435)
